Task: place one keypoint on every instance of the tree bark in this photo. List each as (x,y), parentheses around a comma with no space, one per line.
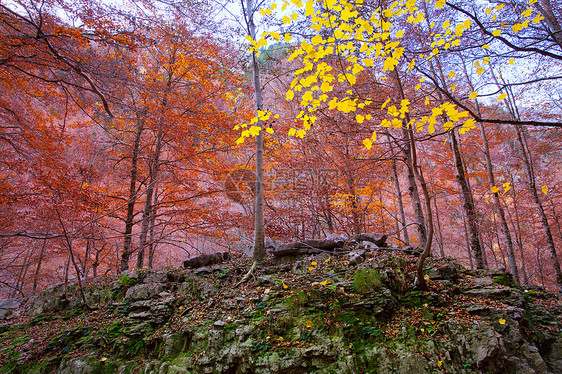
(396,181)
(413,190)
(468,204)
(129,221)
(540,209)
(259,229)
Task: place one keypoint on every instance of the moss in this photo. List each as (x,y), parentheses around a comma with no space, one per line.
(107,367)
(366,280)
(65,340)
(505,280)
(296,301)
(127,281)
(415,299)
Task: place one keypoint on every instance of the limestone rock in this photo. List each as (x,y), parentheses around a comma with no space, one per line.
(144,291)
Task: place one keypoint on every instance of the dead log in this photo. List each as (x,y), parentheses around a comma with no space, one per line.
(206,260)
(307,247)
(378,240)
(314,246)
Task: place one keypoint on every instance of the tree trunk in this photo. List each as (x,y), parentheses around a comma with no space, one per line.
(491,181)
(468,204)
(420,281)
(39,262)
(151,244)
(413,190)
(129,221)
(396,181)
(259,229)
(440,241)
(540,209)
(148,206)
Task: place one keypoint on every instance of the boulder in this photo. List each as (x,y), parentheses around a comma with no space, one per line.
(144,291)
(206,260)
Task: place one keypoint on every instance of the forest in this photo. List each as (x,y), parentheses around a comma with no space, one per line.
(136,134)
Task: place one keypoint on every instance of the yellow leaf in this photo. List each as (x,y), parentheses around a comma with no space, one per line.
(527,13)
(418,86)
(506,186)
(501,97)
(301,133)
(427,101)
(374,136)
(310,268)
(368,62)
(497,33)
(288,37)
(292,132)
(544,189)
(385,103)
(400,34)
(439,363)
(290,95)
(511,61)
(269,130)
(495,189)
(485,46)
(368,143)
(452,74)
(480,70)
(517,27)
(103,359)
(359,118)
(285,286)
(439,4)
(502,321)
(473,95)
(308,324)
(314,263)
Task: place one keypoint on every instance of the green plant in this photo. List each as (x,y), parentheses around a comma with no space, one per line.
(365,280)
(505,280)
(296,300)
(127,281)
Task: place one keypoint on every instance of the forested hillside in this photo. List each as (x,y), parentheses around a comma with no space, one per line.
(138,134)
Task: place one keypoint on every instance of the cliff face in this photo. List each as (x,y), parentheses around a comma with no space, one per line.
(352,313)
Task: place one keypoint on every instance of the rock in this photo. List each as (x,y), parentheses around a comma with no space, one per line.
(7,306)
(156,277)
(219,324)
(144,291)
(483,281)
(448,271)
(266,280)
(203,270)
(356,257)
(131,274)
(206,260)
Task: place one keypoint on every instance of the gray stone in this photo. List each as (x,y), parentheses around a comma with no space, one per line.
(10,303)
(265,280)
(144,291)
(483,281)
(156,277)
(356,257)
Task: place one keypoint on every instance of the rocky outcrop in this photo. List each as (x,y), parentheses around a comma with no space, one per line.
(351,313)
